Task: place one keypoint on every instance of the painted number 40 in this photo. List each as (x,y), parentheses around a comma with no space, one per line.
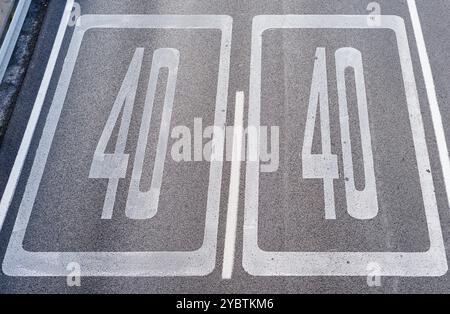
(140,205)
(361,204)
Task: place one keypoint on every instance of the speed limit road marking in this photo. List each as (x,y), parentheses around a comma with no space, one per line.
(362,204)
(20,262)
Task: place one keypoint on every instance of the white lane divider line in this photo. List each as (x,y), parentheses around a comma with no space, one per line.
(233,193)
(432,98)
(35,113)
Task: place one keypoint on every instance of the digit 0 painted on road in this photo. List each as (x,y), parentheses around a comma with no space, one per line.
(259,262)
(20,262)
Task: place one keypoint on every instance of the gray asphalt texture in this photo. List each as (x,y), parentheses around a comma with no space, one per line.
(66,214)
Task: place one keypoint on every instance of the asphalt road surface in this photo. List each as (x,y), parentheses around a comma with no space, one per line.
(123,181)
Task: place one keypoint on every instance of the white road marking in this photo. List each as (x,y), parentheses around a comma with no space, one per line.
(113,166)
(361,204)
(432,98)
(325,165)
(200,262)
(144,205)
(35,113)
(233,193)
(258,262)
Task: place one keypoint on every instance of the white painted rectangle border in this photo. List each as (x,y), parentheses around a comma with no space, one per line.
(19,262)
(258,262)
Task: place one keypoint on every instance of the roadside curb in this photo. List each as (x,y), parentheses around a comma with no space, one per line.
(20,59)
(6,8)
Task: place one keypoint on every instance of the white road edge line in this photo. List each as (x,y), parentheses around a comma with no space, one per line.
(432,98)
(233,193)
(13,179)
